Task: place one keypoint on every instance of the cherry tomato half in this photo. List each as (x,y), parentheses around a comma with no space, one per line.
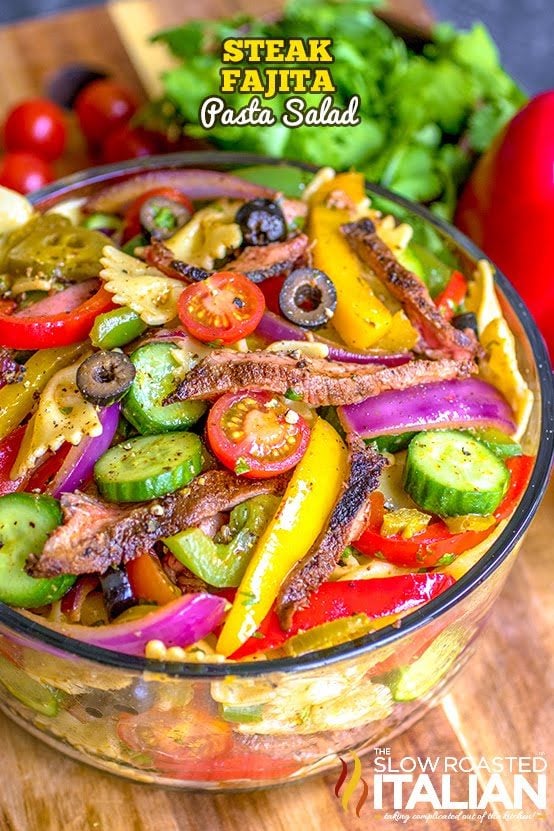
(131,221)
(256,434)
(24,172)
(102,106)
(185,734)
(36,126)
(225,307)
(192,744)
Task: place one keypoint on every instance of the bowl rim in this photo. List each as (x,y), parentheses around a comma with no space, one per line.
(446,601)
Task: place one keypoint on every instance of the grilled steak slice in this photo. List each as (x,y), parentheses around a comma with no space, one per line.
(259,262)
(10,370)
(160,256)
(96,535)
(441,338)
(319,382)
(347,521)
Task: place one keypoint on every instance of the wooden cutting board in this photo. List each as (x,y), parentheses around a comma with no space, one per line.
(501,705)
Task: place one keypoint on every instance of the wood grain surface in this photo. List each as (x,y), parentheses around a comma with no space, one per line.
(501,705)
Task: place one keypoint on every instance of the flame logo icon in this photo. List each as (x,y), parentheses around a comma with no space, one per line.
(352,784)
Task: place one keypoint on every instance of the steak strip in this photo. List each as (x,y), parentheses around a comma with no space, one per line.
(347,521)
(441,338)
(319,382)
(258,262)
(96,535)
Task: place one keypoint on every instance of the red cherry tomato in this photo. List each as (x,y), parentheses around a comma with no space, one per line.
(38,127)
(129,143)
(24,172)
(102,106)
(131,220)
(225,307)
(253,434)
(192,744)
(271,288)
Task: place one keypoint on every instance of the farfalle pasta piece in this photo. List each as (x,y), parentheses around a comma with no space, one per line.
(499,367)
(209,236)
(142,287)
(62,416)
(15,210)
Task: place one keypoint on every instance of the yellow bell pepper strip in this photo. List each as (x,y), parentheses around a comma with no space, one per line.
(308,500)
(17,400)
(62,415)
(361,319)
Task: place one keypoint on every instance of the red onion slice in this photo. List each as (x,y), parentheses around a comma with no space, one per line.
(274,328)
(63,301)
(79,462)
(457,403)
(179,623)
(197,184)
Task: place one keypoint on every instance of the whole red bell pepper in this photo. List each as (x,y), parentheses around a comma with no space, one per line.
(379,597)
(507,206)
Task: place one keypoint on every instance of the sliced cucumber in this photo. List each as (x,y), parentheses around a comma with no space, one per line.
(26,521)
(39,697)
(392,444)
(501,445)
(157,369)
(450,473)
(417,679)
(148,466)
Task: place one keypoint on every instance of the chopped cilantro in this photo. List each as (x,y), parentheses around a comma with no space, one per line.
(292,395)
(241,466)
(422,115)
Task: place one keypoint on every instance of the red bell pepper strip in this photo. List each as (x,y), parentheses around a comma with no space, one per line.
(376,598)
(508,204)
(9,448)
(47,331)
(426,549)
(423,550)
(452,296)
(520,468)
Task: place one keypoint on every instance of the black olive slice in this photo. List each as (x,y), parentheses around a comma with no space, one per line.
(117,591)
(308,297)
(261,222)
(105,377)
(162,217)
(466,320)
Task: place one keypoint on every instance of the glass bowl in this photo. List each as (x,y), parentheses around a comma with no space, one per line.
(215,726)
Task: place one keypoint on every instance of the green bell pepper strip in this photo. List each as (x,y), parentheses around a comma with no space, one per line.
(26,520)
(331,634)
(434,273)
(289,180)
(222,564)
(17,400)
(116,328)
(39,697)
(235,714)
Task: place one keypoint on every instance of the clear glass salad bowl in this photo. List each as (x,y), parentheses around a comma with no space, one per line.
(198,725)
